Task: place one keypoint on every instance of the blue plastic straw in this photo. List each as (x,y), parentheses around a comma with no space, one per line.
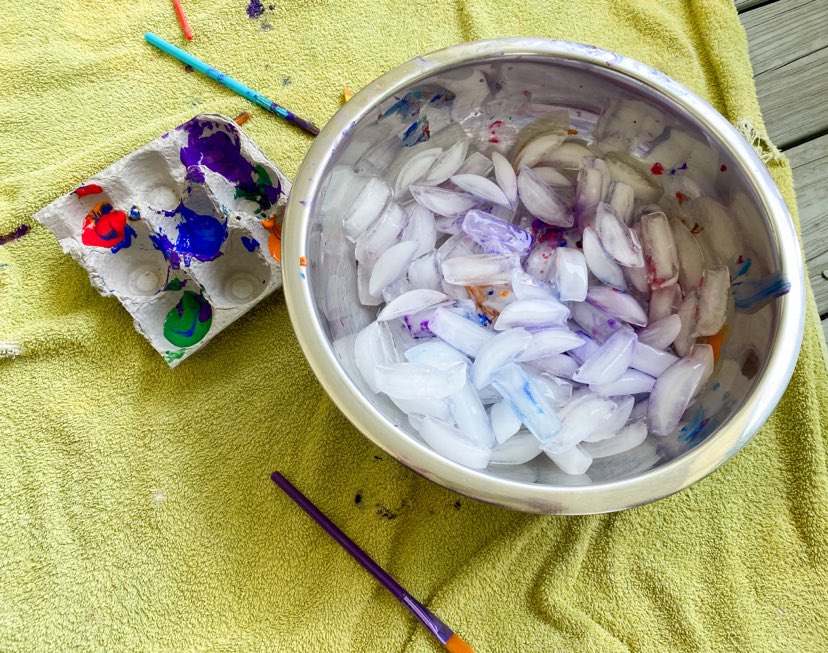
(234,85)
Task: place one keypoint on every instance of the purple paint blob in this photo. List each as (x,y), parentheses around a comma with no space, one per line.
(21,231)
(200,237)
(496,236)
(215,147)
(195,174)
(255,9)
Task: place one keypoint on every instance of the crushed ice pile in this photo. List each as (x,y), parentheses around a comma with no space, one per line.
(542,305)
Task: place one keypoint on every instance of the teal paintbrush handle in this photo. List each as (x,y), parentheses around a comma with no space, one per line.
(233,84)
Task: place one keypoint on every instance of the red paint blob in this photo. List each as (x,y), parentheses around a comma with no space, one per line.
(103,227)
(680,197)
(723,168)
(496,123)
(657,169)
(494,140)
(89,189)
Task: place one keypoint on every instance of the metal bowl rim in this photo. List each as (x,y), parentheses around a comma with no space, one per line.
(649,486)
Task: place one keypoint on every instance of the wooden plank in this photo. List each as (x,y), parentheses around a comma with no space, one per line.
(744,5)
(810,167)
(793,99)
(784,31)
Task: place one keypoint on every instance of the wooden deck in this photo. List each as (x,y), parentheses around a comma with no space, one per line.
(789,51)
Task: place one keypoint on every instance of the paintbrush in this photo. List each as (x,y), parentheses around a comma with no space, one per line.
(233,84)
(448,638)
(182,19)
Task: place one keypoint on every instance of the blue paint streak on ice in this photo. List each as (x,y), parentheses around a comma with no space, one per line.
(742,268)
(696,428)
(416,133)
(408,106)
(753,294)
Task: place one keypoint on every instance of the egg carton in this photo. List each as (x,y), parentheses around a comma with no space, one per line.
(183,231)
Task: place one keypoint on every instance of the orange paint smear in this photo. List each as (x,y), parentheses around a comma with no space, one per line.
(347,94)
(478,297)
(274,240)
(242,118)
(572,132)
(303,262)
(716,341)
(457,645)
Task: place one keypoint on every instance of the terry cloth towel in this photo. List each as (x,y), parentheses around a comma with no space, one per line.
(136,510)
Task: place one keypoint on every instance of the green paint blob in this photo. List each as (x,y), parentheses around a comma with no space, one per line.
(175,284)
(189,320)
(171,356)
(261,192)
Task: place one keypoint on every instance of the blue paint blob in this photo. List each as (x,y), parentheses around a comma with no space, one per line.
(250,244)
(126,241)
(200,237)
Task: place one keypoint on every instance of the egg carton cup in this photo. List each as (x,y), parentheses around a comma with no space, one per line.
(184,232)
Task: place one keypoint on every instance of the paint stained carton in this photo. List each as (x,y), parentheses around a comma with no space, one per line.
(184,231)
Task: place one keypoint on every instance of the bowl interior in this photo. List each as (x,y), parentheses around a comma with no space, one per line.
(492,100)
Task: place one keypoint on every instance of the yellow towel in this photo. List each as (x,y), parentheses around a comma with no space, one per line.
(136,512)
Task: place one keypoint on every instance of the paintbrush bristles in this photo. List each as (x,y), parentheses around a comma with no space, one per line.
(457,645)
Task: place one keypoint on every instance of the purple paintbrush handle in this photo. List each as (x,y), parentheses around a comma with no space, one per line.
(429,620)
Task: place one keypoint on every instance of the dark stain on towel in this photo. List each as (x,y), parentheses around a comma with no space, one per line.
(384,512)
(21,231)
(457,505)
(188,68)
(255,9)
(392,513)
(358,498)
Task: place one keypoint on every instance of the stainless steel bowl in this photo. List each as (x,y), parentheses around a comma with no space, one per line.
(650,115)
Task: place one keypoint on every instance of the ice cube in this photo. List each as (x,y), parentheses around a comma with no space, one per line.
(504,422)
(526,401)
(504,348)
(571,274)
(610,361)
(412,381)
(449,442)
